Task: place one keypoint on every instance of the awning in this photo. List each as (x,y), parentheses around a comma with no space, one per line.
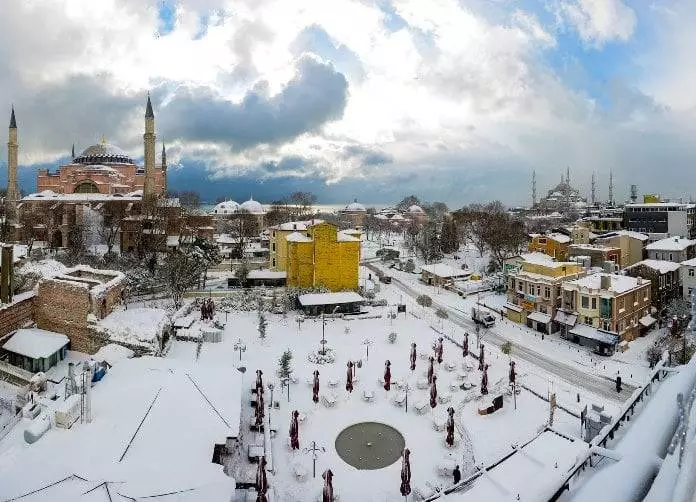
(647,321)
(585,331)
(514,308)
(566,318)
(539,317)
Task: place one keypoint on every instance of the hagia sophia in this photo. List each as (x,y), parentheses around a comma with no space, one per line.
(102,182)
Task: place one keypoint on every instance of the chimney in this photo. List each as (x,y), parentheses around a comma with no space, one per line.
(605,282)
(6,274)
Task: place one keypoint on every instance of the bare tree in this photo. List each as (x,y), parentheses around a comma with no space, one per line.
(303,202)
(187,198)
(33,227)
(110,229)
(242,225)
(278,213)
(182,271)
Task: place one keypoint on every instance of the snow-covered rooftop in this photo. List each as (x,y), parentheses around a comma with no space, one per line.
(36,343)
(298,237)
(442,270)
(345,237)
(191,408)
(329,298)
(112,353)
(627,233)
(135,325)
(82,197)
(662,266)
(534,471)
(537,258)
(558,237)
(44,268)
(689,263)
(670,244)
(296,225)
(585,331)
(266,274)
(618,284)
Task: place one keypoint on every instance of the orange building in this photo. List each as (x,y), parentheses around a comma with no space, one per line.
(553,244)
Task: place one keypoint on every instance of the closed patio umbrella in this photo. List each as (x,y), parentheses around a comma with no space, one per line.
(387,375)
(405,488)
(413,357)
(433,392)
(315,387)
(327,494)
(349,377)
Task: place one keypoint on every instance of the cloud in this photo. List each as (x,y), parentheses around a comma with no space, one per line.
(317,94)
(599,21)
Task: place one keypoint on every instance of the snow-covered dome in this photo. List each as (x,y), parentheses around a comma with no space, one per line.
(103,153)
(226,207)
(415,209)
(252,206)
(45,193)
(355,207)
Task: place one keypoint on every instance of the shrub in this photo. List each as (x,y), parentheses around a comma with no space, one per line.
(409,266)
(424,301)
(392,337)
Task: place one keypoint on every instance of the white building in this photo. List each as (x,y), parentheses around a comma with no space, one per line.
(687,273)
(661,219)
(676,249)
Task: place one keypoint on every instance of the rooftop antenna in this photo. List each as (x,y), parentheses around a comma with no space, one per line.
(634,193)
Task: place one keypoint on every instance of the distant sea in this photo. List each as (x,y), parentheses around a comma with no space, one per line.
(319,208)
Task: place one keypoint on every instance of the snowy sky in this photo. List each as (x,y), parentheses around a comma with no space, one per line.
(451,100)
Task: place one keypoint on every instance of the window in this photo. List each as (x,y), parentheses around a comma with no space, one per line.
(273,263)
(622,304)
(547,292)
(520,286)
(645,294)
(273,246)
(670,257)
(594,303)
(585,302)
(538,290)
(588,321)
(691,272)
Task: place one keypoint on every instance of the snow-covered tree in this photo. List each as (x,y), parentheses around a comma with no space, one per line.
(182,271)
(427,243)
(284,368)
(409,266)
(424,301)
(263,324)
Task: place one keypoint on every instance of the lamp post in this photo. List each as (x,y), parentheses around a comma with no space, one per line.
(367,342)
(407,389)
(314,450)
(239,346)
(270,405)
(323,335)
(242,370)
(285,382)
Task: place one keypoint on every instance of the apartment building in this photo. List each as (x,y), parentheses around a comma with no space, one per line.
(554,244)
(676,249)
(609,302)
(534,292)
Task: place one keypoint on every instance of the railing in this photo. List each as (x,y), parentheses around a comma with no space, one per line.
(5,429)
(15,372)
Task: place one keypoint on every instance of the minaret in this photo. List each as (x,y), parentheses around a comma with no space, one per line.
(611,187)
(72,153)
(568,175)
(149,192)
(12,195)
(533,188)
(593,193)
(164,169)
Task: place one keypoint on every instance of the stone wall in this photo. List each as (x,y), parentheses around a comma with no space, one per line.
(16,314)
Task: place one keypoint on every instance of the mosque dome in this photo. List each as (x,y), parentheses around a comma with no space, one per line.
(226,207)
(103,153)
(355,207)
(415,209)
(252,206)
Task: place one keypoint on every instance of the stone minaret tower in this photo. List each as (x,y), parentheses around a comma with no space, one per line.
(534,198)
(149,192)
(593,193)
(164,169)
(12,195)
(611,187)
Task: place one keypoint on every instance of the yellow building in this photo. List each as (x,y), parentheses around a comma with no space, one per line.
(278,244)
(321,256)
(535,290)
(553,244)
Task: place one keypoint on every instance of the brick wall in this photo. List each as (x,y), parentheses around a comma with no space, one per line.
(63,307)
(16,314)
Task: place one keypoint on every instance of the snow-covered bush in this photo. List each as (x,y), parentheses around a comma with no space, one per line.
(392,337)
(318,358)
(424,301)
(409,266)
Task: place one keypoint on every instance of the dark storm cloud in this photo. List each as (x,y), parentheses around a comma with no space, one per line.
(316,95)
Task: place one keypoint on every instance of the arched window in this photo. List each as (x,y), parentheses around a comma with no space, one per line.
(86,186)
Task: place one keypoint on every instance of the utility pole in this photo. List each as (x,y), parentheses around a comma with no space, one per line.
(611,187)
(534,187)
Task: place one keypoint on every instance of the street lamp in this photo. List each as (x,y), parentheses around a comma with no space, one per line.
(314,450)
(270,405)
(239,345)
(407,389)
(367,342)
(323,333)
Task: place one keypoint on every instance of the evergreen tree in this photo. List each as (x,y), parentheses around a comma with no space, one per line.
(262,319)
(285,370)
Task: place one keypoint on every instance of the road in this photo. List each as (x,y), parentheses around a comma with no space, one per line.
(600,386)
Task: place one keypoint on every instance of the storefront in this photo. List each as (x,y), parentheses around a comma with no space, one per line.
(539,321)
